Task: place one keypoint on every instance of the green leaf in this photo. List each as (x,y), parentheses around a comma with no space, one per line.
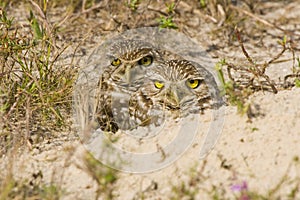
(38,33)
(284,39)
(202,3)
(218,68)
(297,83)
(167,22)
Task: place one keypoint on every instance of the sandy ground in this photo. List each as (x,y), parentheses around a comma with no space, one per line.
(263,153)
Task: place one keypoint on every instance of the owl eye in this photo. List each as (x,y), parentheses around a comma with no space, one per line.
(158,84)
(193,83)
(116,62)
(146,61)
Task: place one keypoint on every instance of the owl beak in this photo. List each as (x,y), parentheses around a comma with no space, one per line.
(127,74)
(173,98)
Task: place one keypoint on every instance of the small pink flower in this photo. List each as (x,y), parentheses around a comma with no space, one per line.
(240,187)
(243,189)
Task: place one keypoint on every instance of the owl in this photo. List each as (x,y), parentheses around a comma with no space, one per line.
(174,89)
(129,62)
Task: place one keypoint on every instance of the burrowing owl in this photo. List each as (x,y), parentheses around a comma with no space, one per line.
(130,59)
(176,88)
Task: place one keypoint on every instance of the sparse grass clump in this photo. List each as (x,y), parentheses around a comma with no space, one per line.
(167,22)
(104,176)
(133,4)
(28,189)
(241,81)
(34,88)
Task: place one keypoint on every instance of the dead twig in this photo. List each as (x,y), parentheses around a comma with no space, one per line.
(85,11)
(263,21)
(255,68)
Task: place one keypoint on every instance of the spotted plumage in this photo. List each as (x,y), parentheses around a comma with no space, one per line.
(130,59)
(174,88)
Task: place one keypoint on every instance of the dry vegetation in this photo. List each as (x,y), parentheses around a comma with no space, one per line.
(42,44)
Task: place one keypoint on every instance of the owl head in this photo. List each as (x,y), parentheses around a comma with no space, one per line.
(130,59)
(178,85)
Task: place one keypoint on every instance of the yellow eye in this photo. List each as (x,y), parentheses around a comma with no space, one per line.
(193,83)
(158,84)
(146,61)
(116,62)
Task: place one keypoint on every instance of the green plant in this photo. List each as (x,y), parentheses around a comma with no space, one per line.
(231,90)
(296,71)
(183,191)
(297,83)
(28,189)
(170,7)
(167,22)
(242,81)
(6,187)
(33,86)
(103,175)
(202,3)
(133,4)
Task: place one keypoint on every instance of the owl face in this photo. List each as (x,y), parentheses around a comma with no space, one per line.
(130,61)
(177,85)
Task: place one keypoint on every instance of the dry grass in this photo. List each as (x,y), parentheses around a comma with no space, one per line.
(35,88)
